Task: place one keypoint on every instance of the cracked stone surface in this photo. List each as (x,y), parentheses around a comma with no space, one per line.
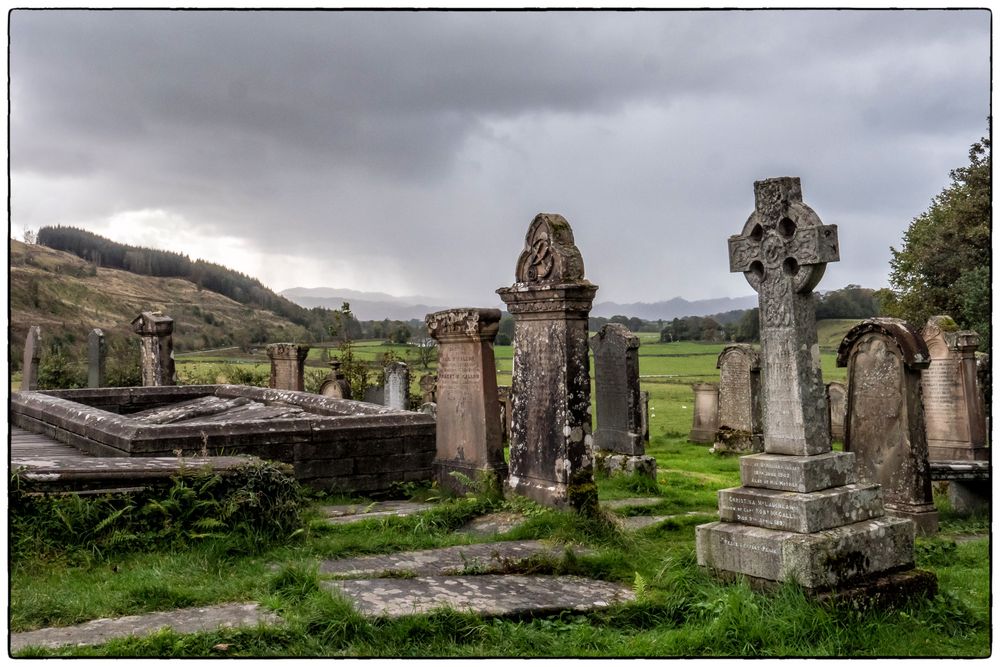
(491,557)
(486,595)
(362,511)
(195,619)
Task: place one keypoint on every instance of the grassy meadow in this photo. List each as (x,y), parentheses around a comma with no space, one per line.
(680,610)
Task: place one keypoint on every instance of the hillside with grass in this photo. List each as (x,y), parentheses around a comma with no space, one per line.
(68,296)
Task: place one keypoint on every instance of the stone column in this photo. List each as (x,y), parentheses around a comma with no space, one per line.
(618,439)
(396,390)
(287,366)
(740,425)
(335,385)
(468,420)
(550,442)
(156,330)
(884,424)
(705,420)
(32,357)
(644,399)
(800,515)
(96,353)
(836,397)
(953,406)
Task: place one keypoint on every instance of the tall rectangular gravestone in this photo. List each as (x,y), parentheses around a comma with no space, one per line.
(799,515)
(550,441)
(705,416)
(619,438)
(32,357)
(953,406)
(157,353)
(884,424)
(836,396)
(740,427)
(469,441)
(396,389)
(96,353)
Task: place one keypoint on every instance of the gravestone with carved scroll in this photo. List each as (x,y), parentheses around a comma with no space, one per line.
(469,441)
(800,514)
(884,424)
(550,440)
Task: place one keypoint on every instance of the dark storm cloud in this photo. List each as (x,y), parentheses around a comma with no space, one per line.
(417,136)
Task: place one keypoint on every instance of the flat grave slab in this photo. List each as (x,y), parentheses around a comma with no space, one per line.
(490,557)
(640,522)
(182,621)
(629,502)
(485,595)
(374,510)
(494,524)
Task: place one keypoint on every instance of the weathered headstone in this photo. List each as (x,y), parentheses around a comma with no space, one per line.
(884,418)
(506,410)
(397,386)
(705,417)
(32,357)
(799,515)
(740,427)
(618,438)
(836,396)
(287,366)
(468,421)
(96,352)
(644,411)
(428,388)
(953,407)
(157,355)
(550,442)
(336,384)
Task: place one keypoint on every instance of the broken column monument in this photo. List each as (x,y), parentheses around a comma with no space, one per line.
(550,441)
(884,424)
(618,440)
(468,420)
(32,357)
(800,514)
(705,417)
(96,354)
(287,366)
(740,428)
(157,353)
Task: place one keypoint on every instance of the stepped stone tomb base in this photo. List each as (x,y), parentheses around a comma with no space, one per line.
(333,444)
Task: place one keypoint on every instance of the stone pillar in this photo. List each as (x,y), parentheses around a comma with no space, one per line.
(335,385)
(506,411)
(550,442)
(32,357)
(156,330)
(705,420)
(800,515)
(644,412)
(740,425)
(953,407)
(884,424)
(96,353)
(618,438)
(468,420)
(287,366)
(396,390)
(836,397)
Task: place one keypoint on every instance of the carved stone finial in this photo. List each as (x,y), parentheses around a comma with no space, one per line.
(550,255)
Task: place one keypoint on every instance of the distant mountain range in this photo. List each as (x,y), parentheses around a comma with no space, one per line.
(378,305)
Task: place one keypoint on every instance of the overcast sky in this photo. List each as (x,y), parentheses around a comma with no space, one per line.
(407,152)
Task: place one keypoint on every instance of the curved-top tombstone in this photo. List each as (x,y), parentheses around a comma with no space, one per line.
(550,439)
(740,428)
(884,424)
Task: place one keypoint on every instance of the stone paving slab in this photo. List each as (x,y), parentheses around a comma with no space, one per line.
(491,557)
(363,511)
(486,595)
(194,619)
(497,523)
(629,502)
